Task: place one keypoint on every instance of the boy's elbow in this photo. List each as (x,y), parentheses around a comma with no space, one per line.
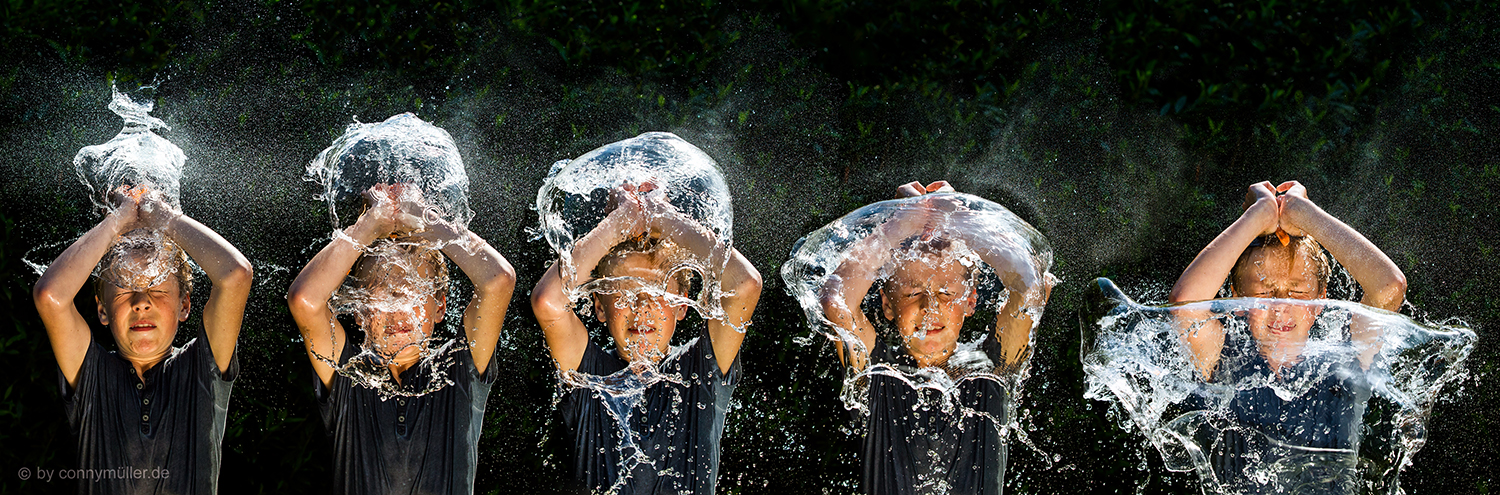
(46,297)
(546,304)
(302,304)
(241,275)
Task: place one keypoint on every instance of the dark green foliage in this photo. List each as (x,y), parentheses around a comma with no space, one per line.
(1126,131)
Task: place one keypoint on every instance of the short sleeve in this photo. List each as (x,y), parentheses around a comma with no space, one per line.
(206,355)
(709,364)
(73,397)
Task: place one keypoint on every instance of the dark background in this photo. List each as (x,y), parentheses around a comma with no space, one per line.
(1126,131)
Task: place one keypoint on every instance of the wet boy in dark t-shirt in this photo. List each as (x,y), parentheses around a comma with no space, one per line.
(1271,252)
(910,449)
(676,422)
(150,413)
(415,442)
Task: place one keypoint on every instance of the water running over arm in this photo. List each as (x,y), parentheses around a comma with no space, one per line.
(493,278)
(308,297)
(54,292)
(228,270)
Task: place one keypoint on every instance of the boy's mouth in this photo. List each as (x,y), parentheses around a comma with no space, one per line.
(642,330)
(144,326)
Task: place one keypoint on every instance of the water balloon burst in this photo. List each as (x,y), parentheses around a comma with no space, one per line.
(1346,416)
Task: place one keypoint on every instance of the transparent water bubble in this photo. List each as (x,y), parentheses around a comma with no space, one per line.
(934,252)
(134,157)
(402,150)
(1342,413)
(399,290)
(578,194)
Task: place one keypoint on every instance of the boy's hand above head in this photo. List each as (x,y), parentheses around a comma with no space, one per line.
(1292,204)
(1262,207)
(914,189)
(394,209)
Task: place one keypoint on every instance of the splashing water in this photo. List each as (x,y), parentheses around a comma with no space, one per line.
(394,292)
(403,149)
(924,298)
(955,234)
(576,197)
(1336,421)
(134,157)
(680,180)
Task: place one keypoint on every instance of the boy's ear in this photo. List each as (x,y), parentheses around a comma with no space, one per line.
(598,308)
(973,302)
(885,307)
(681,312)
(187,309)
(103,315)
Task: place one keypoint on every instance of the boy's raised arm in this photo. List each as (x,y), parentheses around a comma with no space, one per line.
(1381,280)
(741,282)
(230,273)
(53,295)
(308,297)
(845,289)
(493,278)
(1030,287)
(1206,274)
(567,337)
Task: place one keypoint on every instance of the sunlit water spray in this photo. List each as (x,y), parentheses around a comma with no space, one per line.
(409,162)
(140,163)
(576,197)
(932,246)
(1339,428)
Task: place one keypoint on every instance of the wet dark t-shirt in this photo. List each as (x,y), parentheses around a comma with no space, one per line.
(1328,416)
(677,426)
(911,449)
(156,434)
(426,444)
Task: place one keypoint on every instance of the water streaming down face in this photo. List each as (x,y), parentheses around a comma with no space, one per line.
(935,296)
(654,276)
(398,291)
(577,195)
(1344,416)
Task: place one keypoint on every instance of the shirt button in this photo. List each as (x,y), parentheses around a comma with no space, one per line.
(401,419)
(145,402)
(139,386)
(401,402)
(145,417)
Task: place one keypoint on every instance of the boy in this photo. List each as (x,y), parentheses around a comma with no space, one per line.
(681,422)
(422,441)
(146,406)
(1275,250)
(927,298)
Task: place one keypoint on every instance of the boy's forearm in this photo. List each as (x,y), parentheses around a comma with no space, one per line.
(216,256)
(323,275)
(1383,282)
(486,268)
(1206,274)
(71,270)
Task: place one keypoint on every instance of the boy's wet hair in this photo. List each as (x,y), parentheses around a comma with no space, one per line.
(662,252)
(1304,244)
(373,268)
(915,248)
(155,245)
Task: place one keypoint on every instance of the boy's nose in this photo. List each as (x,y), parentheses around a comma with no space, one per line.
(140,301)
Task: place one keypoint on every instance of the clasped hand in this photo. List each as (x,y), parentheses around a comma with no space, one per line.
(1276,207)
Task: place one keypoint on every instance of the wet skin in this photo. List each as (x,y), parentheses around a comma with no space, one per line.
(143,322)
(397,318)
(928,301)
(641,325)
(1280,329)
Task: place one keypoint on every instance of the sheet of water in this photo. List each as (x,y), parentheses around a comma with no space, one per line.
(1135,357)
(959,224)
(422,160)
